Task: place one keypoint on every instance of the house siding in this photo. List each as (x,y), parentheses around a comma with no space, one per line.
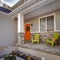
(8,31)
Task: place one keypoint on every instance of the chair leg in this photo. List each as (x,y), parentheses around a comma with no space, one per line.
(52,44)
(38,42)
(32,42)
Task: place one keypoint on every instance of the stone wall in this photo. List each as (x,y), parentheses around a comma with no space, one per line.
(44,36)
(20,38)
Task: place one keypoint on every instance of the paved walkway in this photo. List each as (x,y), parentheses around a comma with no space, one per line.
(38,50)
(39,54)
(44,48)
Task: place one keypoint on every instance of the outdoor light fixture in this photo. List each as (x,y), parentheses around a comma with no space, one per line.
(31,24)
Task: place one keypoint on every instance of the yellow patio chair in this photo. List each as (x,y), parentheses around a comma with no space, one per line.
(36,38)
(53,40)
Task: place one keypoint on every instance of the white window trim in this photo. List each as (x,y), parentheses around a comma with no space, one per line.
(55,24)
(46,23)
(39,24)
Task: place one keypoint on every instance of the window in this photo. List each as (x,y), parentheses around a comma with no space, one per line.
(47,23)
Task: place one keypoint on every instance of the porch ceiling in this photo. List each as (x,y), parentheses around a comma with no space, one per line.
(44,9)
(29,7)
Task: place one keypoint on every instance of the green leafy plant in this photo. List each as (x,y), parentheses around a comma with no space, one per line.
(10,57)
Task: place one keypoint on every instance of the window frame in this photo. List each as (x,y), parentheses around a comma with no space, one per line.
(46,22)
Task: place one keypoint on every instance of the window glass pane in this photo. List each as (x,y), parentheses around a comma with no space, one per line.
(58,21)
(50,23)
(43,24)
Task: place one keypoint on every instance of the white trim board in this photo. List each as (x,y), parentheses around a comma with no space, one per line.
(46,21)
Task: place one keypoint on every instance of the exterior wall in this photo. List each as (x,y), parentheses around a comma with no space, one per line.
(35,21)
(8,31)
(45,35)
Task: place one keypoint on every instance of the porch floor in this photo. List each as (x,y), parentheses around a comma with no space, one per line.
(43,48)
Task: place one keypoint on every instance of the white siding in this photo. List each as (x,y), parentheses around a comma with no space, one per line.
(8,33)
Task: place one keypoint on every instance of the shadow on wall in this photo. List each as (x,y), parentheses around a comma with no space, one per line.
(5,10)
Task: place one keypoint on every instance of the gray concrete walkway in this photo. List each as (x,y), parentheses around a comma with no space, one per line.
(44,48)
(39,54)
(37,50)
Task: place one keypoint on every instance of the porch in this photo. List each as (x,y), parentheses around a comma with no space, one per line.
(43,47)
(46,26)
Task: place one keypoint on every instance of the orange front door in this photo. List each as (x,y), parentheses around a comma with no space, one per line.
(27,32)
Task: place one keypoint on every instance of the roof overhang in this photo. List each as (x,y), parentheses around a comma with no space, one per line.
(24,10)
(27,10)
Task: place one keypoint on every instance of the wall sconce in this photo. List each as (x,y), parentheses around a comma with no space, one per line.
(31,24)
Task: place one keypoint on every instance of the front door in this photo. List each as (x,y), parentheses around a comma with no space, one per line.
(27,32)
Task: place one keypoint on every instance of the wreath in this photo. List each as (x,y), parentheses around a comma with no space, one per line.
(27,28)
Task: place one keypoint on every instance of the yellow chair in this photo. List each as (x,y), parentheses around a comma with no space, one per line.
(36,38)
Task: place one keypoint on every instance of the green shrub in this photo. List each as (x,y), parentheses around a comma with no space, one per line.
(10,57)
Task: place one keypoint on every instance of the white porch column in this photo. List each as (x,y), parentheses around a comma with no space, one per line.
(20,23)
(20,28)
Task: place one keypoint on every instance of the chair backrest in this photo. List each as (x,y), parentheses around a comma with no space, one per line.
(56,35)
(37,36)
